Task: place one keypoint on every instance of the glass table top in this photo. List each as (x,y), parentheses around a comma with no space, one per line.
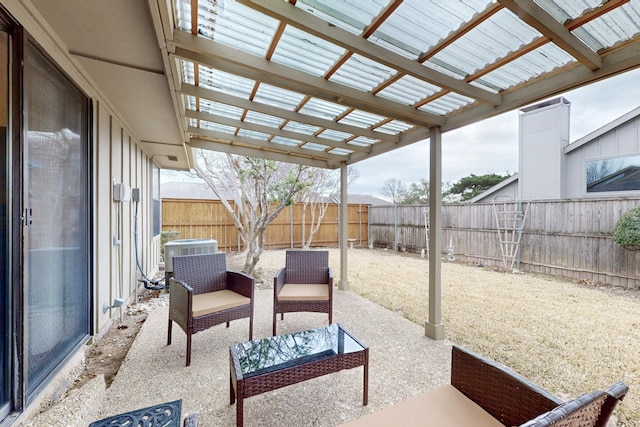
(275,353)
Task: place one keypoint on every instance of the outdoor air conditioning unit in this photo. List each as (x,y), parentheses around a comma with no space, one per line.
(186,247)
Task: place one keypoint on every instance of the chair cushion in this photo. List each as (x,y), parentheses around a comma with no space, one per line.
(293,292)
(212,302)
(444,406)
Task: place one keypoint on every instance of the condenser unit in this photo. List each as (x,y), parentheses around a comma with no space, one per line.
(187,247)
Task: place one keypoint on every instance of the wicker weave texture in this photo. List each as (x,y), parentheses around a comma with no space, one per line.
(515,401)
(197,274)
(507,396)
(307,267)
(241,388)
(278,379)
(303,267)
(203,273)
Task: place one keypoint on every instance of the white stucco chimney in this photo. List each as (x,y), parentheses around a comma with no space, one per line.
(544,132)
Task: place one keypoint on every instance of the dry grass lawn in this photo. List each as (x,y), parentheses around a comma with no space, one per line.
(568,338)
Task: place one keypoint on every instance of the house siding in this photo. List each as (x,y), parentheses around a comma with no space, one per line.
(619,141)
(117,156)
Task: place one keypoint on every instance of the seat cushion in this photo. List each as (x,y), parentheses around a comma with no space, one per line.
(444,406)
(212,302)
(293,292)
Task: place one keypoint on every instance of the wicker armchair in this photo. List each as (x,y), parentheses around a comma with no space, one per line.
(484,393)
(304,284)
(202,294)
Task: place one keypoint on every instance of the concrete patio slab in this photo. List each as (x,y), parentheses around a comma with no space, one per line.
(403,362)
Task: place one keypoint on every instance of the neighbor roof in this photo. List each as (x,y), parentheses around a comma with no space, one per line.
(602,130)
(201,191)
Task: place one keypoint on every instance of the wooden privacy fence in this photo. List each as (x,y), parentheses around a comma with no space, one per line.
(568,238)
(196,219)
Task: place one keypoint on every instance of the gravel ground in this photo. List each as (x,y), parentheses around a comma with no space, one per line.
(569,338)
(403,363)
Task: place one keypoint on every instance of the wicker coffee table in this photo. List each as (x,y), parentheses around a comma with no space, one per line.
(263,365)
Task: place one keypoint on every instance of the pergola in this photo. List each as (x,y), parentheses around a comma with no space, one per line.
(330,83)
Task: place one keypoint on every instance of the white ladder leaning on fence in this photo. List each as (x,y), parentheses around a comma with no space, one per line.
(510,217)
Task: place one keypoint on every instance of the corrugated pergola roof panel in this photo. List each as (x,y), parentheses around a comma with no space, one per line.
(305,52)
(217,108)
(339,81)
(416,25)
(353,16)
(408,90)
(361,73)
(271,95)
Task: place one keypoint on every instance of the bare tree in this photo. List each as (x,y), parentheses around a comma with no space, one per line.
(394,190)
(259,188)
(598,169)
(321,189)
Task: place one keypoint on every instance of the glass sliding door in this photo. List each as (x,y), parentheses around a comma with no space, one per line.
(5,284)
(56,182)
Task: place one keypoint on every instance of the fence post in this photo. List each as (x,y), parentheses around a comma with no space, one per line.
(360,223)
(395,227)
(291,226)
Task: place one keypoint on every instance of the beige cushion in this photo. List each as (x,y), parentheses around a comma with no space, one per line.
(212,302)
(293,292)
(442,407)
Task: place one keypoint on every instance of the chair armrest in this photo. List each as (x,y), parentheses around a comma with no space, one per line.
(180,302)
(503,393)
(240,283)
(330,278)
(615,394)
(279,280)
(595,407)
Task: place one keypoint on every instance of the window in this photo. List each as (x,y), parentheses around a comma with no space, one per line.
(613,174)
(57,180)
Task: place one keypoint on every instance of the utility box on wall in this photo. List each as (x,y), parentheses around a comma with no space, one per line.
(544,133)
(183,247)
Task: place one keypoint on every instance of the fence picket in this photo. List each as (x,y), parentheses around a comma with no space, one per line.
(569,238)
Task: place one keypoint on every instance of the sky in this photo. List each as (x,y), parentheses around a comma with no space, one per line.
(491,146)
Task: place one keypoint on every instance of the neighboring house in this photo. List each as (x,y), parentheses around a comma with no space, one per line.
(366,199)
(201,191)
(186,190)
(604,163)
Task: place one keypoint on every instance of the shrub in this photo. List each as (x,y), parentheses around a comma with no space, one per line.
(626,232)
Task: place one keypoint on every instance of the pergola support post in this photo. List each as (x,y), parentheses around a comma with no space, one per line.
(344,280)
(434,328)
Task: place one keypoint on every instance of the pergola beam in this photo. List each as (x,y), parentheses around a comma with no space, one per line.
(407,138)
(224,147)
(245,104)
(618,60)
(304,138)
(233,61)
(304,21)
(539,19)
(271,146)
